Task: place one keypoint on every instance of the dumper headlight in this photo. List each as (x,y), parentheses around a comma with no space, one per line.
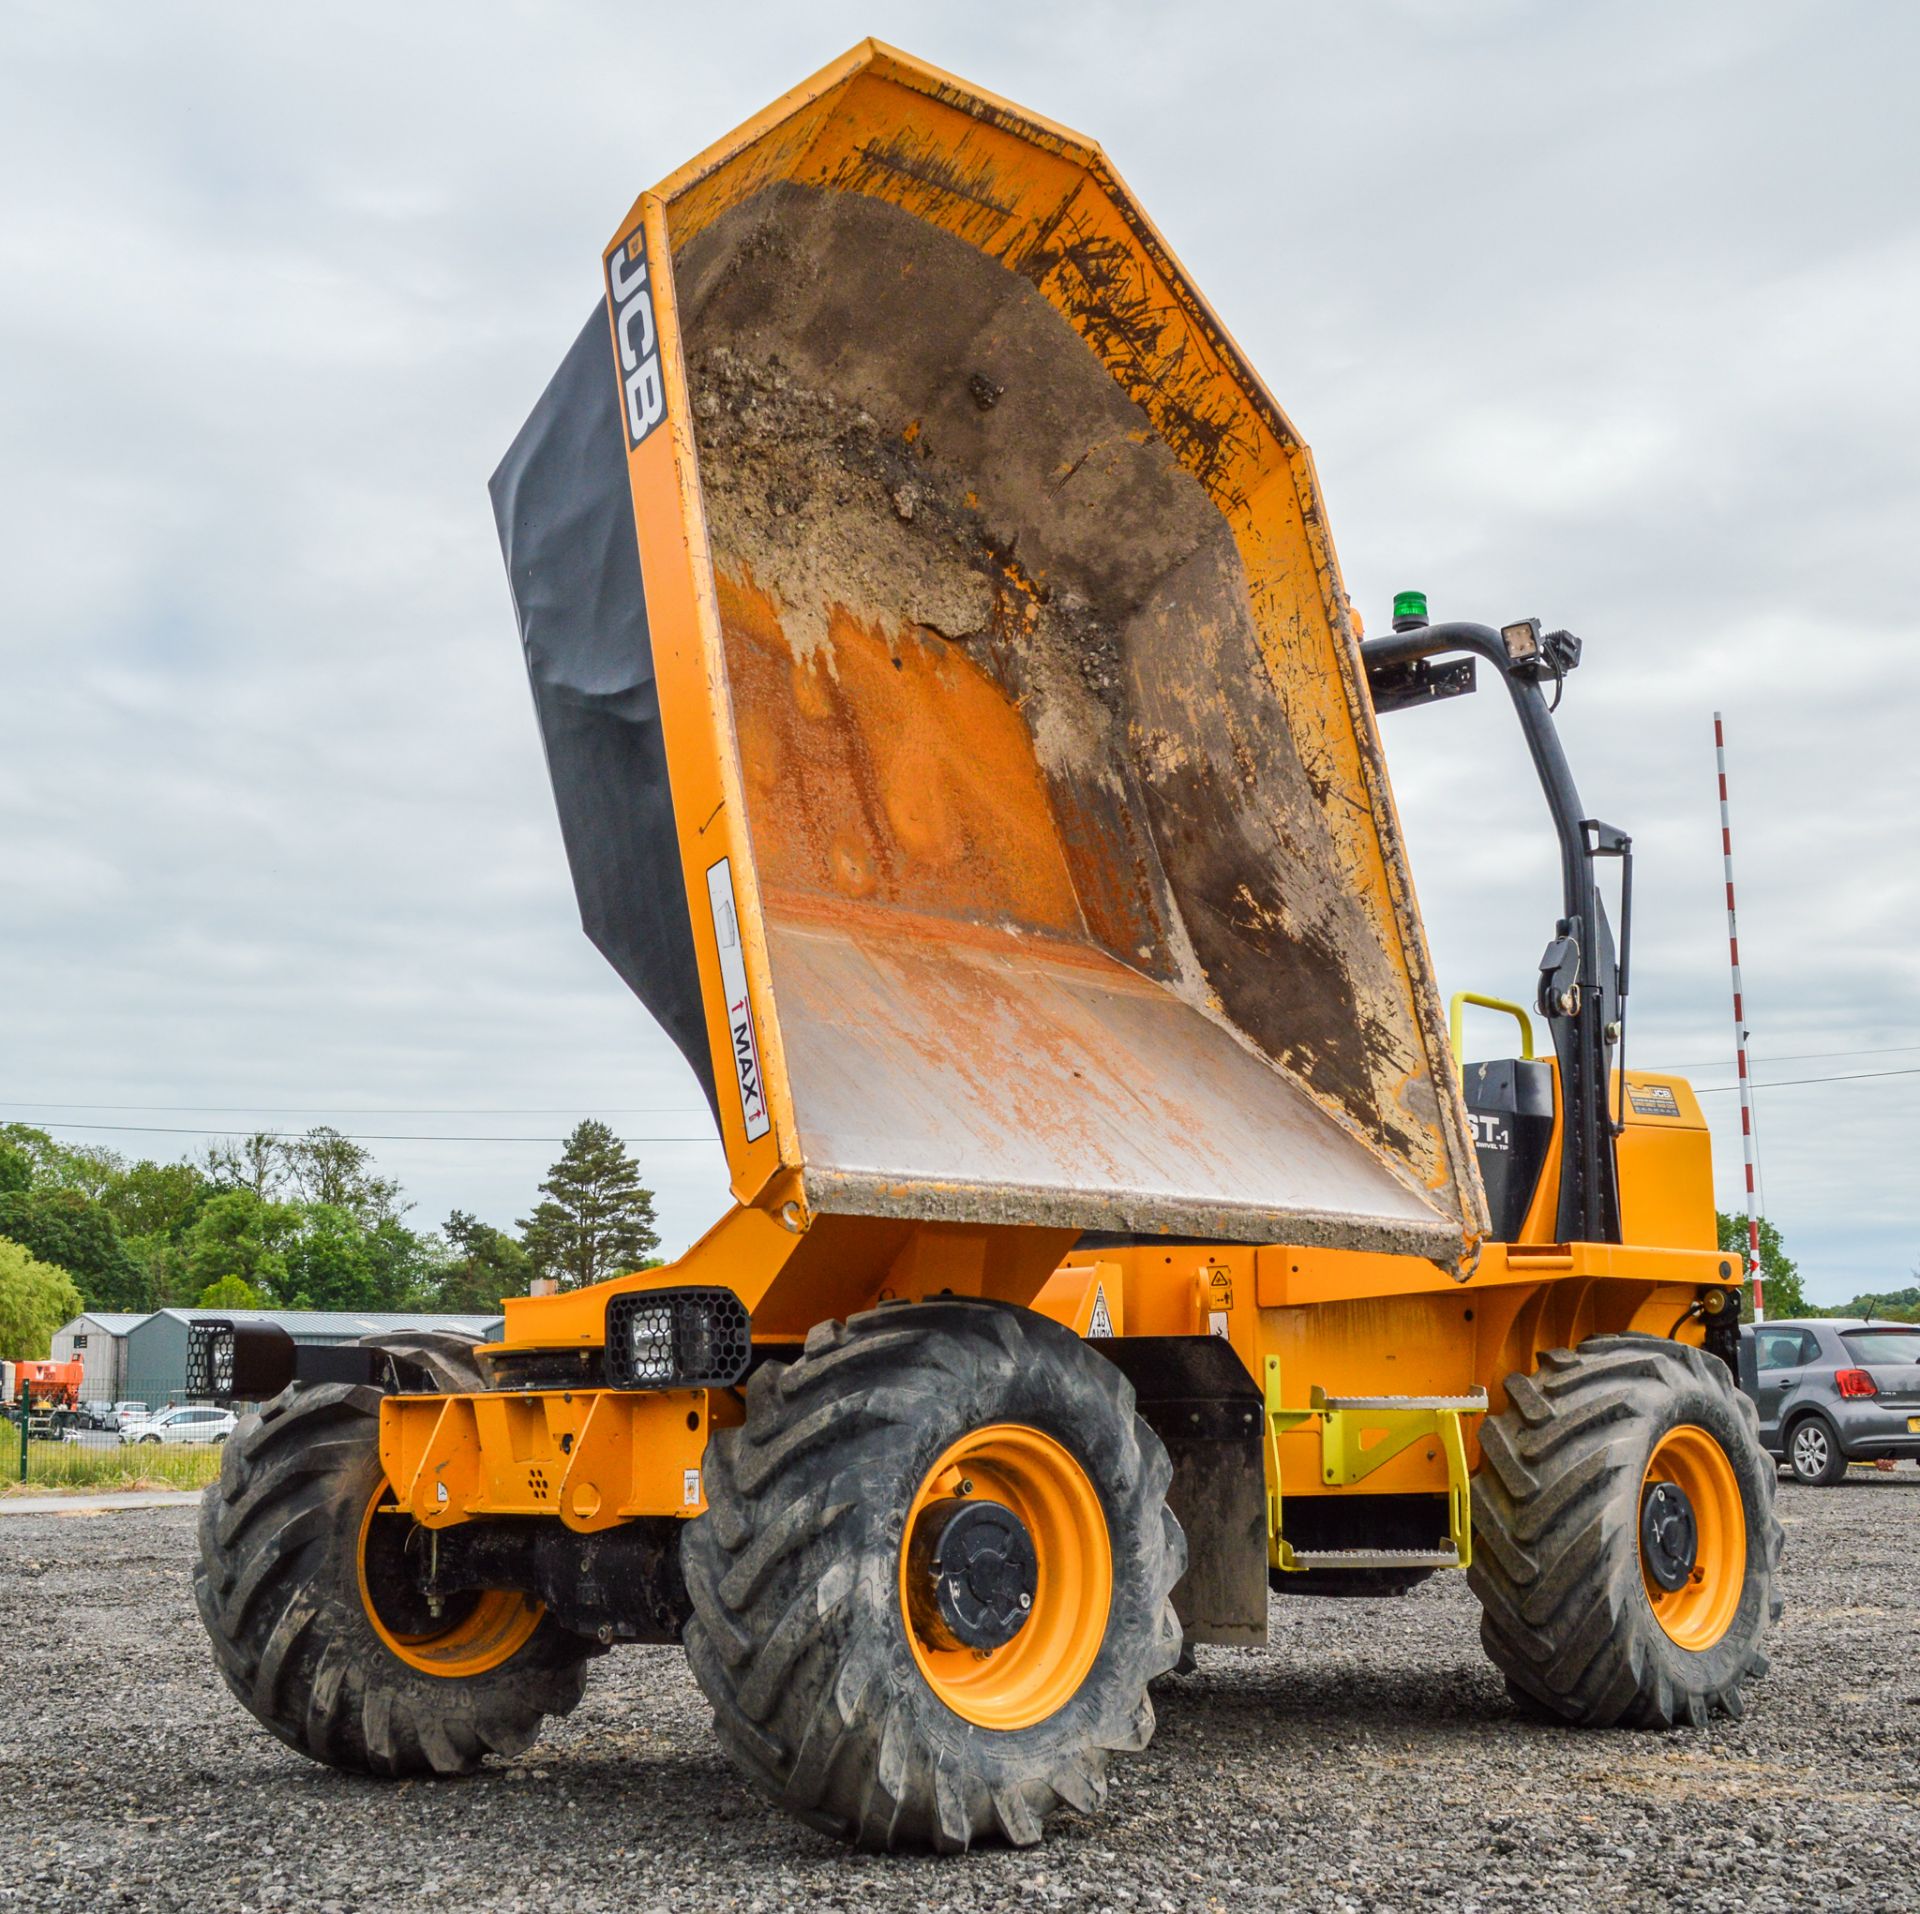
(677,1339)
(1522,640)
(649,1351)
(230,1361)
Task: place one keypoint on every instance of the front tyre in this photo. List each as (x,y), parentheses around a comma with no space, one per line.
(1814,1455)
(1625,1546)
(932,1583)
(304,1583)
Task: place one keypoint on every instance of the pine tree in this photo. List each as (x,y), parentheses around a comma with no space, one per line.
(597,1220)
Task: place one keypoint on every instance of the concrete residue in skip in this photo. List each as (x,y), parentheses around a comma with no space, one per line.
(894,427)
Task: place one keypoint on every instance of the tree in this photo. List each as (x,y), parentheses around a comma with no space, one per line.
(1889,1305)
(16,1169)
(76,1234)
(51,1165)
(333,1169)
(483,1265)
(257,1163)
(154,1204)
(156,1200)
(229,1293)
(335,1261)
(239,1234)
(35,1299)
(598,1218)
(1779,1273)
(328,1265)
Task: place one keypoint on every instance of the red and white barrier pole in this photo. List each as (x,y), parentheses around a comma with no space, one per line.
(1740,1032)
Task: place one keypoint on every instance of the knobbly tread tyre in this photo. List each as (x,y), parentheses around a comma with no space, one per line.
(797,1638)
(1556,1562)
(446,1362)
(277,1586)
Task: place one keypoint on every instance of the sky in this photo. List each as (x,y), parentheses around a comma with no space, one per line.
(1603,314)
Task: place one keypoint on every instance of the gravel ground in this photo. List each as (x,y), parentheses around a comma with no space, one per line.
(1367,1760)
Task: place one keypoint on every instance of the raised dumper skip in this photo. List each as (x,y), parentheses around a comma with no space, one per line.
(965,748)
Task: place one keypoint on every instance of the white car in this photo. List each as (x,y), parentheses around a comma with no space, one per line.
(183,1424)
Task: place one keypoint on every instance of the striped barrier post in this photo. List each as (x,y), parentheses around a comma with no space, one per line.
(1740,1032)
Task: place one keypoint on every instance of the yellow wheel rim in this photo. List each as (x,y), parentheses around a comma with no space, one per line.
(1038,1672)
(477,1633)
(1698,1613)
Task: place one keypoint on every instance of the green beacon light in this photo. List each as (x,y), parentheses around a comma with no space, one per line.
(1409,610)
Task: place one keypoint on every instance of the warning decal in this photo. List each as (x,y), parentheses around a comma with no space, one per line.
(1653,1100)
(1100,1323)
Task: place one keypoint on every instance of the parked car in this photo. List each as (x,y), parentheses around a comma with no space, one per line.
(1832,1392)
(183,1424)
(129,1411)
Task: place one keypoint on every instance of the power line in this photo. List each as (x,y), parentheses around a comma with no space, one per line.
(383,1136)
(365,1136)
(1804,1056)
(1788,1083)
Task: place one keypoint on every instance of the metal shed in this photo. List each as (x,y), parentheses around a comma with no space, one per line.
(99,1340)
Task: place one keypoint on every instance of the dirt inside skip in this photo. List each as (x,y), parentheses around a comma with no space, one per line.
(992,648)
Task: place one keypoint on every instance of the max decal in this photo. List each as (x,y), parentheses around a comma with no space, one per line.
(733,976)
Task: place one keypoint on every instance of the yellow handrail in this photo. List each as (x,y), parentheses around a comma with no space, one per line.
(1456,1022)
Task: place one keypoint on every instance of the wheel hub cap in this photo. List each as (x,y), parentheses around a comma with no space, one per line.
(972,1573)
(1669,1537)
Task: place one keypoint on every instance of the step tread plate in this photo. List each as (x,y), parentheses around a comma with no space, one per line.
(1448,1557)
(1464,1404)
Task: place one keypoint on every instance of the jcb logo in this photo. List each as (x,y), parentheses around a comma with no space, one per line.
(631,298)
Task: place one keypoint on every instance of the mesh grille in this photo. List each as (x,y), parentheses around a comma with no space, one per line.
(677,1339)
(210,1362)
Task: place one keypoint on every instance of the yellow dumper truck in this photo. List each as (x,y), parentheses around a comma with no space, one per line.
(965,748)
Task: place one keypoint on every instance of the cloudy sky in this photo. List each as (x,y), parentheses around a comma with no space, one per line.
(1603,313)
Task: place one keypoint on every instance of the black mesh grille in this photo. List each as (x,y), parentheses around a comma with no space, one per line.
(210,1362)
(676,1339)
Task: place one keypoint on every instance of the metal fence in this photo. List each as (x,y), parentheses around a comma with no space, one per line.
(151,1435)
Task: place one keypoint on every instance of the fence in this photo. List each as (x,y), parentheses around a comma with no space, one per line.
(149,1436)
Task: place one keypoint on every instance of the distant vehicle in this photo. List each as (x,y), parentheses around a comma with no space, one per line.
(1832,1392)
(183,1424)
(46,1385)
(126,1412)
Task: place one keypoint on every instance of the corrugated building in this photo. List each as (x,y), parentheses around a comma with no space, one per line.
(99,1340)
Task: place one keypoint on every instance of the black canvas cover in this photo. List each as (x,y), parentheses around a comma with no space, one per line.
(561,501)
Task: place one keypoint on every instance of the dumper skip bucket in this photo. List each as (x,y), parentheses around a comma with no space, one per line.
(951,699)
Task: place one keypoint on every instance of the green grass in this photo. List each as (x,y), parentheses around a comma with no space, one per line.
(132,1465)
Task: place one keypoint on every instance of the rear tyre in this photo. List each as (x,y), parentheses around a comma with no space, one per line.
(837,1681)
(1625,1546)
(1813,1454)
(303,1585)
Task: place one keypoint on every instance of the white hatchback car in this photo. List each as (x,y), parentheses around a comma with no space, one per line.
(185,1423)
